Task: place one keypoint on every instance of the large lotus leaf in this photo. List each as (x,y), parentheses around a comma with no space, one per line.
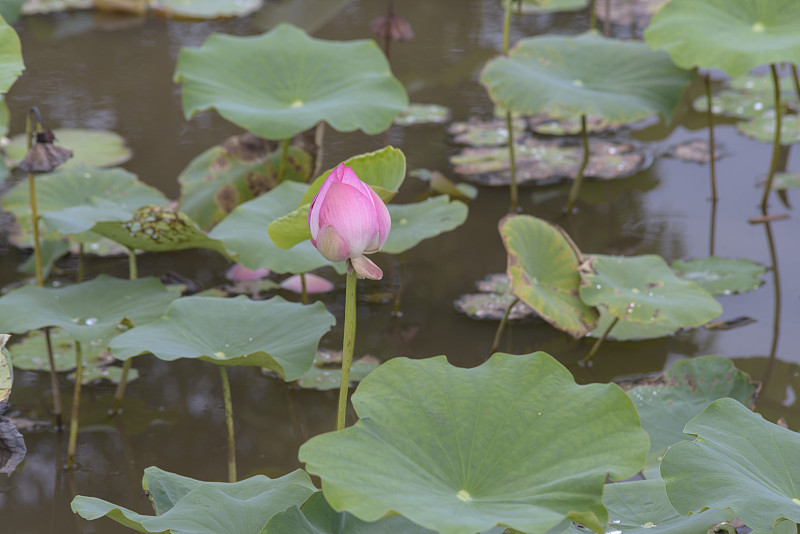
(722,276)
(543,271)
(643,289)
(73,200)
(11,65)
(384,170)
(87,311)
(686,389)
(244,233)
(739,460)
(533,7)
(413,223)
(642,507)
(762,128)
(205,9)
(90,147)
(732,35)
(279,335)
(236,171)
(6,372)
(513,442)
(291,83)
(569,76)
(193,507)
(157,229)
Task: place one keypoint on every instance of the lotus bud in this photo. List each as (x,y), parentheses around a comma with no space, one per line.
(347,220)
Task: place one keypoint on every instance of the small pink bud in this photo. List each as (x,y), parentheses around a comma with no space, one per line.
(348,219)
(240,273)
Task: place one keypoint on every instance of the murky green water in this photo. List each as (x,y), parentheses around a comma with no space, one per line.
(87,70)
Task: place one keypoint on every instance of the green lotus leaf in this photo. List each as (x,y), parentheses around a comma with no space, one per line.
(326,373)
(423,114)
(205,9)
(543,271)
(544,124)
(156,229)
(6,371)
(190,506)
(265,333)
(735,36)
(786,180)
(643,289)
(570,76)
(11,65)
(244,233)
(91,147)
(30,354)
(88,311)
(533,7)
(50,252)
(684,391)
(413,223)
(236,171)
(5,119)
(35,7)
(10,10)
(475,132)
(457,454)
(722,276)
(291,83)
(74,200)
(384,170)
(739,460)
(762,128)
(630,331)
(642,507)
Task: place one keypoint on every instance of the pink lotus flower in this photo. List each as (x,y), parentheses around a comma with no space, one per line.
(347,220)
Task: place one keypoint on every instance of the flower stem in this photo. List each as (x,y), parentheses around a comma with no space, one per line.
(76,404)
(347,348)
(506,25)
(284,158)
(499,333)
(796,80)
(79,276)
(54,380)
(119,394)
(711,147)
(576,185)
(226,398)
(303,289)
(777,141)
(593,14)
(512,162)
(599,342)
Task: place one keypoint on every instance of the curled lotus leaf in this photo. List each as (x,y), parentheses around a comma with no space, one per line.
(454,455)
(543,272)
(722,276)
(349,85)
(90,147)
(735,36)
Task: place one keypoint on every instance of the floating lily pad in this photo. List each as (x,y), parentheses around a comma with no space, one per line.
(696,151)
(762,128)
(543,271)
(11,65)
(91,147)
(569,76)
(326,373)
(423,114)
(442,185)
(548,161)
(454,455)
(244,233)
(36,7)
(544,124)
(299,82)
(642,507)
(279,335)
(722,276)
(87,311)
(740,461)
(533,7)
(739,104)
(684,391)
(643,289)
(475,132)
(383,170)
(191,506)
(156,229)
(413,223)
(629,12)
(786,180)
(238,170)
(492,306)
(630,331)
(205,9)
(735,36)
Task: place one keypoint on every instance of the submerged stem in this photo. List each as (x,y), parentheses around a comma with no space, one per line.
(777,141)
(119,394)
(76,404)
(576,185)
(347,348)
(599,342)
(226,398)
(284,158)
(501,327)
(53,380)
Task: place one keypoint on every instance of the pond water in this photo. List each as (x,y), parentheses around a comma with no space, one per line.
(115,72)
